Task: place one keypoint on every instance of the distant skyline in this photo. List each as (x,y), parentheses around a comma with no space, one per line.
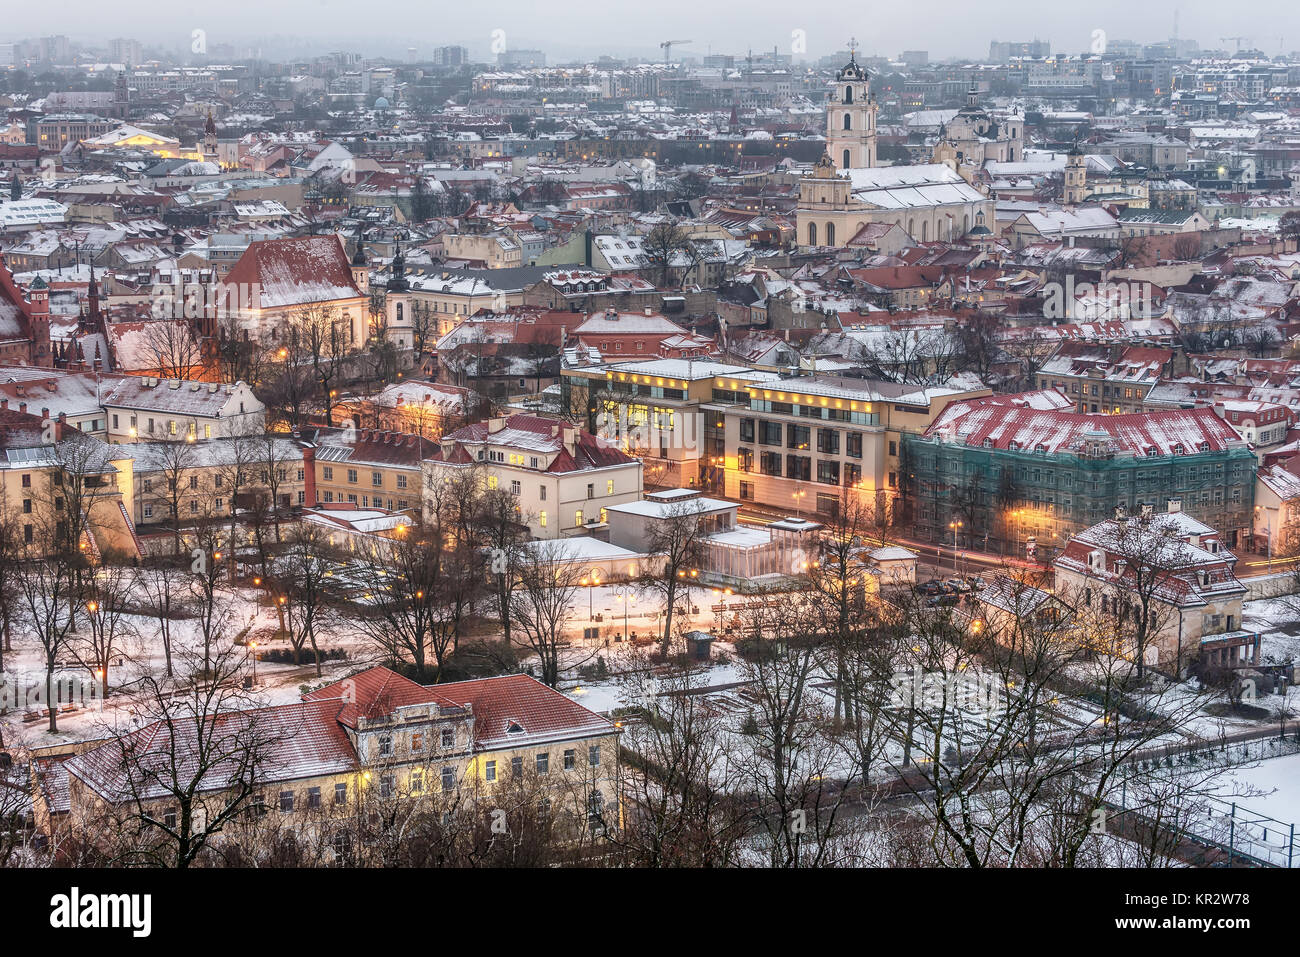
(586,28)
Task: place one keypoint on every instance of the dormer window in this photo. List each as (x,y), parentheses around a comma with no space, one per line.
(514,728)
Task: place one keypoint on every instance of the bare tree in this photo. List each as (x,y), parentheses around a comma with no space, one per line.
(675,545)
(158,582)
(324,337)
(171,350)
(681,813)
(305,577)
(196,766)
(104,597)
(541,604)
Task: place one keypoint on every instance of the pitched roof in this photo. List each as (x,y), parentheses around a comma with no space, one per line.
(375,693)
(293,272)
(533,433)
(1003,426)
(292,741)
(539,712)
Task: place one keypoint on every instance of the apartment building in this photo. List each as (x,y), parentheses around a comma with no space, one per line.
(179,482)
(563,479)
(140,408)
(1195,595)
(1105,378)
(368,468)
(45,465)
(795,444)
(370,739)
(654,410)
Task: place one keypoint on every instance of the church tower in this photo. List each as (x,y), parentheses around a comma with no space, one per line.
(210,141)
(38,296)
(851,117)
(1076,176)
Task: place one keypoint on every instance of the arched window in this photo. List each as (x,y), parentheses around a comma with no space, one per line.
(830,234)
(965,224)
(812,234)
(848,121)
(848,96)
(847,164)
(925,232)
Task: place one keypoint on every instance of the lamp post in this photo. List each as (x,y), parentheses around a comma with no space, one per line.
(722,596)
(590,583)
(626,599)
(252,645)
(956,527)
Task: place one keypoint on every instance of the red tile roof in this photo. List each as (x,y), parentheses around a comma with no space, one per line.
(295,741)
(540,712)
(288,272)
(537,711)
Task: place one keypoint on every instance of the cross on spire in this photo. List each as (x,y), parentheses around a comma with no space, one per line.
(853,48)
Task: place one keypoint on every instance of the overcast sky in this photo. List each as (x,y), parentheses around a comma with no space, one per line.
(584,28)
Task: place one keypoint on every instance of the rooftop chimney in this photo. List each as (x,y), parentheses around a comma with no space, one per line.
(1175,505)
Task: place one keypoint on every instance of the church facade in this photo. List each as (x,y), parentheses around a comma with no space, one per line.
(846,191)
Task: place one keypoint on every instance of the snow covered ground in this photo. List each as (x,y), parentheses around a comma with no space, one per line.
(1278,622)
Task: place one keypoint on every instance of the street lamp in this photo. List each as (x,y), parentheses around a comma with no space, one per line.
(253,647)
(627,601)
(722,596)
(956,527)
(590,584)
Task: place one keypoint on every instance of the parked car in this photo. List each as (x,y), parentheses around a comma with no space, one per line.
(943,601)
(932,587)
(957,584)
(977,583)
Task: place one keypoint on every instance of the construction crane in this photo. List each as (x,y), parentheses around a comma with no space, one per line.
(667,47)
(1236,41)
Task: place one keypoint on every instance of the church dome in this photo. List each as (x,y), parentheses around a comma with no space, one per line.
(381,103)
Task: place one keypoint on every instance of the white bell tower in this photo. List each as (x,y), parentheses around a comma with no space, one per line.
(851,117)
